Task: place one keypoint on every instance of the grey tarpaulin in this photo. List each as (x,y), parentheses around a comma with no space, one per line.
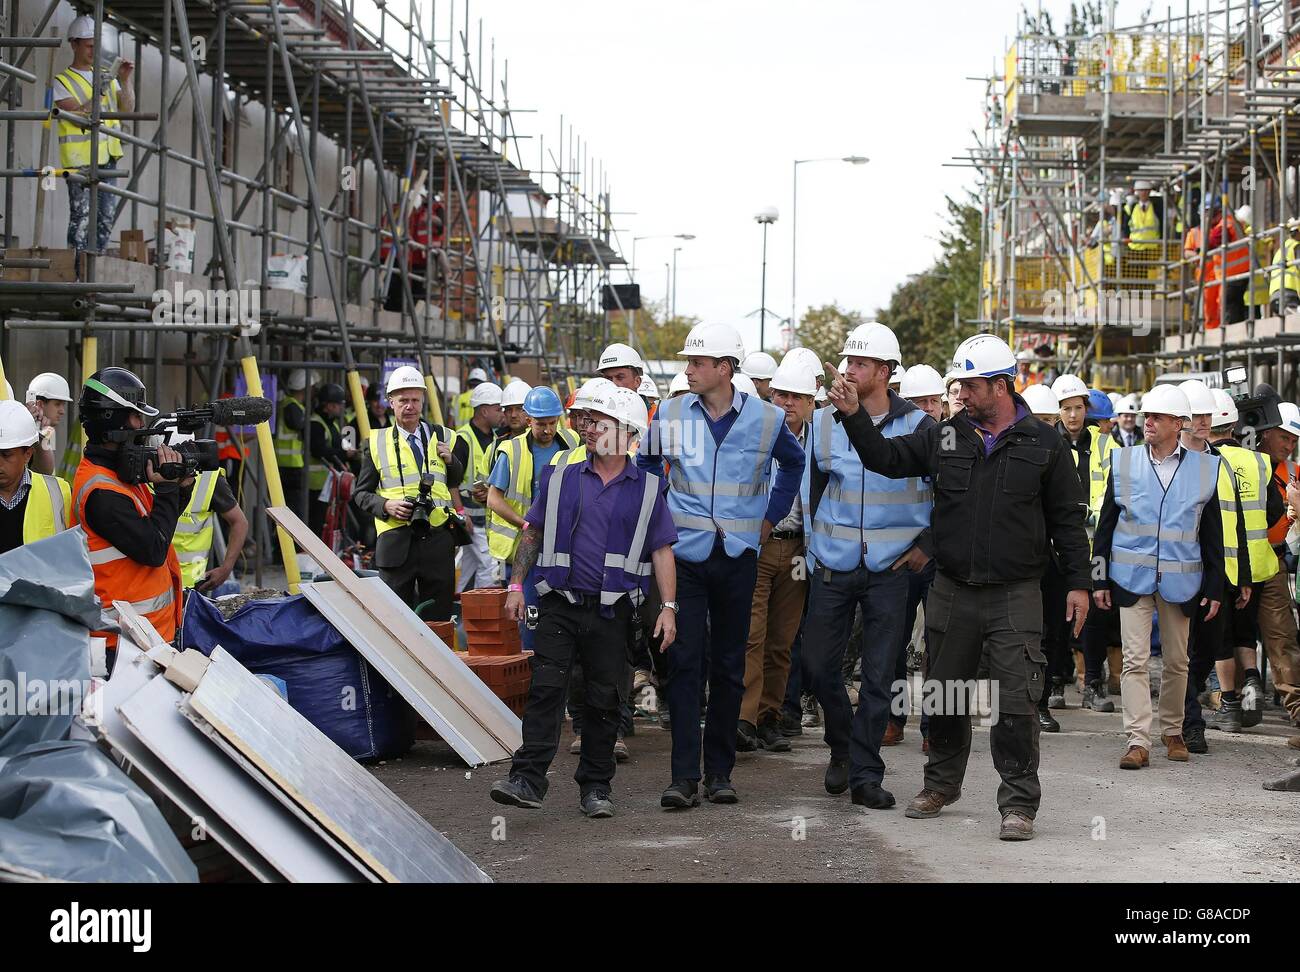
(66,811)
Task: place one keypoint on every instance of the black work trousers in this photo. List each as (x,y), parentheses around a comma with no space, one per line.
(567,633)
(969,628)
(427,574)
(1059,642)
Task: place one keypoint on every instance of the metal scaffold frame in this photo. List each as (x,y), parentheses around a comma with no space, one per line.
(399,101)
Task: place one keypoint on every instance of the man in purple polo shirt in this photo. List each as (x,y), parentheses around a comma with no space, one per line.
(595,531)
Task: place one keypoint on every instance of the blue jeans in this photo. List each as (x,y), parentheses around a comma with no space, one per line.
(832,598)
(716,597)
(79,214)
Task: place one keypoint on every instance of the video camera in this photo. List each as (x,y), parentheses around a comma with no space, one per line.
(200,455)
(1256,410)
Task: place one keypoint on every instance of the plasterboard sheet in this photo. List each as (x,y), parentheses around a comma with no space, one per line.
(152,716)
(457,718)
(345,798)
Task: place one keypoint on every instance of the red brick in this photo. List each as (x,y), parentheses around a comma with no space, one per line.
(445,630)
(484,603)
(489,625)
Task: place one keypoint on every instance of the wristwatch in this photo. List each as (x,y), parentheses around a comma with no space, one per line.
(672,606)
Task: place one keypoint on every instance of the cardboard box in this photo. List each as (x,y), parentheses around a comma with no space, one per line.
(134,247)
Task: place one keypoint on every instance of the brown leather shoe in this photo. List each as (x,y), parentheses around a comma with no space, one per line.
(1294,742)
(1016,826)
(893,734)
(1135,758)
(928,803)
(1175,748)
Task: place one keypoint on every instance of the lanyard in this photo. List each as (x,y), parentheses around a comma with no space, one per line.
(397,448)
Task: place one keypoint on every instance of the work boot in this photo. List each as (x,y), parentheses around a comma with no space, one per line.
(620,750)
(746,737)
(771,738)
(718,789)
(789,724)
(1046,722)
(1016,826)
(682,795)
(811,718)
(1114,668)
(1195,739)
(1135,758)
(1056,696)
(515,792)
(872,796)
(1094,697)
(1252,702)
(1228,718)
(1294,742)
(893,734)
(837,776)
(1175,748)
(928,803)
(597,804)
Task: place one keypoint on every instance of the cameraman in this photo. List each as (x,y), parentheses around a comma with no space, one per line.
(418,561)
(129,526)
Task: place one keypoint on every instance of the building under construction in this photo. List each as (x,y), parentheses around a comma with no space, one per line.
(1200,105)
(267,193)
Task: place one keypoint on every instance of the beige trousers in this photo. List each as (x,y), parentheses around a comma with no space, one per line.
(1135,682)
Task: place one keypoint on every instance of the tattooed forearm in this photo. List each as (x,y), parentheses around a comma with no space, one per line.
(530,541)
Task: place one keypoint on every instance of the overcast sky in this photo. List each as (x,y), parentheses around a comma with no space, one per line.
(699,108)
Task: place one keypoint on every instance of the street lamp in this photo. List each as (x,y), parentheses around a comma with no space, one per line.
(764,217)
(794,223)
(631,320)
(673,313)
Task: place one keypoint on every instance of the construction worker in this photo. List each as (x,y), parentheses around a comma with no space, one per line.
(678,386)
(1160,541)
(464,407)
(595,530)
(718,444)
(622,365)
(326,440)
(1025,374)
(512,410)
(1043,403)
(923,387)
(1126,431)
(415,555)
(473,450)
(1004,487)
(73,91)
(1106,234)
(48,398)
(129,525)
(209,499)
(512,484)
(866,539)
(1277,626)
(1101,410)
(760,367)
(290,421)
(1284,274)
(33,505)
(953,400)
(1102,653)
(780,591)
(1143,220)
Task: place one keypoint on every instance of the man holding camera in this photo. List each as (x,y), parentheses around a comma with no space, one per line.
(129,521)
(407,474)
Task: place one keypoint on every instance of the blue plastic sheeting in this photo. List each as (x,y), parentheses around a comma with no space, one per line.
(327,681)
(66,811)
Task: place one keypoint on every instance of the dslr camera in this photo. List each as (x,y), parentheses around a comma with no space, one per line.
(139,446)
(423,505)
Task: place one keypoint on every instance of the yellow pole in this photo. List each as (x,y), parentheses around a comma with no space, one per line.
(4,394)
(359,405)
(266,449)
(435,403)
(89,365)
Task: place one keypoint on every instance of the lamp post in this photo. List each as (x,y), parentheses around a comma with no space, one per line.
(764,217)
(631,320)
(794,224)
(673,313)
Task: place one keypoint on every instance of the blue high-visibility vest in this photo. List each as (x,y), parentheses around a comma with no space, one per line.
(716,490)
(863,518)
(1157,539)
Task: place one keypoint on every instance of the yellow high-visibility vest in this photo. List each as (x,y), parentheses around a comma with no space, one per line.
(1143,227)
(288,443)
(48,501)
(320,472)
(1251,473)
(399,476)
(503,536)
(192,540)
(464,412)
(74,141)
(1284,273)
(1098,472)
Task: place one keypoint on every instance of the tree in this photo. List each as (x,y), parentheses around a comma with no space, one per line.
(823,329)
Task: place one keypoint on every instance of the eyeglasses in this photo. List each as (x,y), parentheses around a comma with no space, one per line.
(604,426)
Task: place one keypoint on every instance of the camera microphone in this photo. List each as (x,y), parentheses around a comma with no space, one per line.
(248,410)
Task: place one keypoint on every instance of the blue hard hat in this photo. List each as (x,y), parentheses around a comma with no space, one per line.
(543,403)
(1099,405)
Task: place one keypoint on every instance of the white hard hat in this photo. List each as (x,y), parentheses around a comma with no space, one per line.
(9,389)
(476,374)
(297,380)
(807,355)
(648,388)
(81,28)
(821,395)
(17,427)
(796,376)
(713,341)
(592,389)
(678,384)
(1167,400)
(1199,398)
(1114,399)
(50,386)
(1041,400)
(1128,405)
(921,381)
(744,383)
(1225,409)
(623,405)
(1116,198)
(984,356)
(515,392)
(404,377)
(620,356)
(896,377)
(486,393)
(872,340)
(1290,417)
(1141,184)
(1024,355)
(843,366)
(1069,386)
(1243,214)
(759,365)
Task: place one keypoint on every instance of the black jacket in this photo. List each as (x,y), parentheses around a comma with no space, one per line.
(993,515)
(1209,535)
(144,539)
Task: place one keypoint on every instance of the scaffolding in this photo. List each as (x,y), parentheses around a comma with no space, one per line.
(296,135)
(1202,106)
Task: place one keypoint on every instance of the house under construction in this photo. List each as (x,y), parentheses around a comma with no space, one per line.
(1202,106)
(274,157)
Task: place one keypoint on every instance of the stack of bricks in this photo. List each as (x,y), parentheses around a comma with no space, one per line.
(487,630)
(446,632)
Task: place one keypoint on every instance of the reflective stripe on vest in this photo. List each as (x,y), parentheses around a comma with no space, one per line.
(288,443)
(1156,545)
(864,518)
(74,141)
(399,476)
(1284,274)
(503,536)
(192,540)
(1245,474)
(48,501)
